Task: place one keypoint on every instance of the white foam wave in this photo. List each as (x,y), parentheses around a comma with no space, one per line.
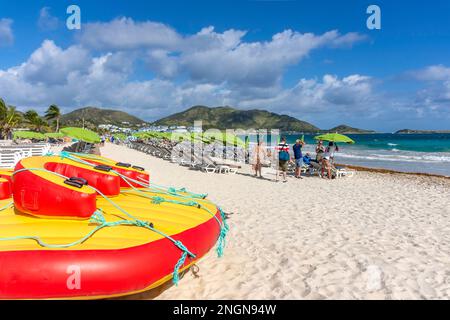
(403,157)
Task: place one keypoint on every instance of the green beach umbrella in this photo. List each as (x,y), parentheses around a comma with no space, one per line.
(55,135)
(121,136)
(335,137)
(29,135)
(81,134)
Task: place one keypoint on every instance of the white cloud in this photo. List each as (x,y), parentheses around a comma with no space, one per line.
(50,64)
(432,73)
(209,56)
(434,98)
(352,94)
(226,57)
(124,33)
(162,63)
(72,77)
(6,33)
(46,21)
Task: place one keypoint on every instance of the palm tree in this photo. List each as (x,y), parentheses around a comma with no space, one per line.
(53,113)
(9,119)
(33,118)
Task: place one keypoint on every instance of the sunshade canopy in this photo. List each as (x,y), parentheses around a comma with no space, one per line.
(81,134)
(55,135)
(335,137)
(29,135)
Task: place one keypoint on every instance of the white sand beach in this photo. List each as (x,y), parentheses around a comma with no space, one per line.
(372,236)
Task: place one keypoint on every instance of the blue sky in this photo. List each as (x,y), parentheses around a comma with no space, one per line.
(313,60)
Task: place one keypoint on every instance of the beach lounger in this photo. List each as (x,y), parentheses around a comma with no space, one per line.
(344,172)
(225,165)
(315,167)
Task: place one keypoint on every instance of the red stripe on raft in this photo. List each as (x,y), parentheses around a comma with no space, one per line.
(138,176)
(107,184)
(45,273)
(37,196)
(5,189)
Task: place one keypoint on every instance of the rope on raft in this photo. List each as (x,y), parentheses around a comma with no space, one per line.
(224,228)
(99,219)
(164,189)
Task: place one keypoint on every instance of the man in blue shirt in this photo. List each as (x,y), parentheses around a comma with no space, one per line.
(298,157)
(307,159)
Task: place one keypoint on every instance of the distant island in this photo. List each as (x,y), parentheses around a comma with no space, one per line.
(344,129)
(410,131)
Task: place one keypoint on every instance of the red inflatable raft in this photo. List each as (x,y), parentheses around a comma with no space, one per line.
(72,230)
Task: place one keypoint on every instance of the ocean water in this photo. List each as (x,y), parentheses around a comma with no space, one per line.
(425,153)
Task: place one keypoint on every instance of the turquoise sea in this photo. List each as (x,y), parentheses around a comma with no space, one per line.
(426,153)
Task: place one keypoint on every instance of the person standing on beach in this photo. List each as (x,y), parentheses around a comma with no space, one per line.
(328,158)
(320,149)
(297,147)
(259,154)
(333,148)
(283,158)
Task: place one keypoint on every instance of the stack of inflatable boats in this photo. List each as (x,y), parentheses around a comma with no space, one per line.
(84,226)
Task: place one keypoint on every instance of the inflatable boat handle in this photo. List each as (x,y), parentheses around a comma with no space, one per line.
(73,183)
(78,180)
(102,167)
(123,164)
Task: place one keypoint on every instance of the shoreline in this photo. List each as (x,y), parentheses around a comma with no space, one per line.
(390,171)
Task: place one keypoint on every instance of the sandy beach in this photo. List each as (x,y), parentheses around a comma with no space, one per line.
(372,236)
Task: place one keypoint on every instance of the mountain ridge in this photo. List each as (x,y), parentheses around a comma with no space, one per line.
(93,116)
(226,117)
(221,117)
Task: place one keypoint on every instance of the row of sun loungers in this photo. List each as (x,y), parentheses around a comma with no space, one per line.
(183,154)
(82,147)
(214,158)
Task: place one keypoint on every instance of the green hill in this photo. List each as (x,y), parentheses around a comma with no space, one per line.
(230,118)
(344,129)
(95,116)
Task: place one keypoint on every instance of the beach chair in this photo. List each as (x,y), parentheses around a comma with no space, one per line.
(225,165)
(315,167)
(344,172)
(304,168)
(166,153)
(208,165)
